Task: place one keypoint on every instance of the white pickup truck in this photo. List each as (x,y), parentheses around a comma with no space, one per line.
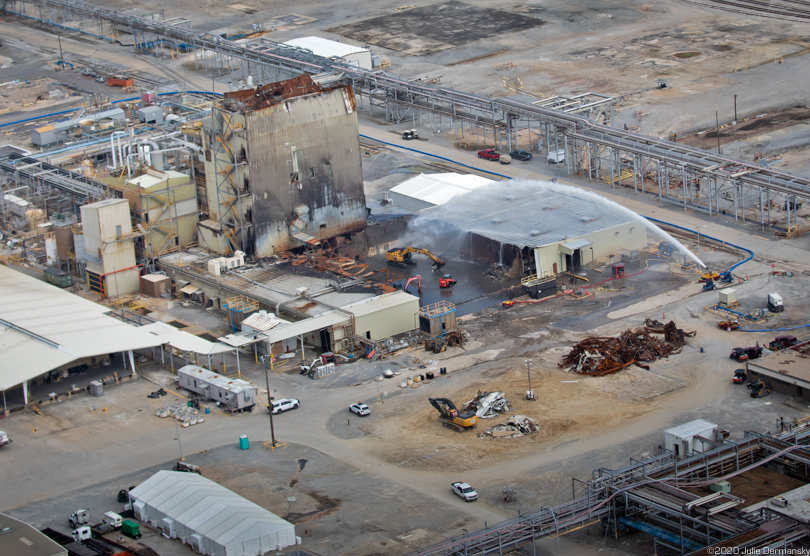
(465,491)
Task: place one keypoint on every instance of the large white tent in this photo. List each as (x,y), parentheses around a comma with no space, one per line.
(43,328)
(208,516)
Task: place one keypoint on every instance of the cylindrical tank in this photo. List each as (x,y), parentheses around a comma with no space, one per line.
(64,241)
(51,254)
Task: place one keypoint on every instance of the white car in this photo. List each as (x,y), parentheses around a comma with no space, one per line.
(360,409)
(284,404)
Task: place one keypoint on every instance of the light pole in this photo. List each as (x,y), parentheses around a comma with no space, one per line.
(735,108)
(266,361)
(697,228)
(179,446)
(530,393)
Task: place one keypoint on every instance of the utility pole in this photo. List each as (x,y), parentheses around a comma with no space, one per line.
(735,108)
(530,393)
(177,428)
(61,58)
(266,361)
(717,121)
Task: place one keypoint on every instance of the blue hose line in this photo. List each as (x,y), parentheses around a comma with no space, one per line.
(776,329)
(750,253)
(130,99)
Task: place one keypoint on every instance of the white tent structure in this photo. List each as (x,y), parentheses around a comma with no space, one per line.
(208,516)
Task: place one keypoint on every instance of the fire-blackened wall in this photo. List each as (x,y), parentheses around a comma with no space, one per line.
(302,170)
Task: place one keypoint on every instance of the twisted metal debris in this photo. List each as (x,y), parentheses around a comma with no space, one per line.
(598,356)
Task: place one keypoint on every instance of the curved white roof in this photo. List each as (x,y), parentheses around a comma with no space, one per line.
(211,510)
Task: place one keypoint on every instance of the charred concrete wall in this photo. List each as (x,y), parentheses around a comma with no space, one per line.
(301,168)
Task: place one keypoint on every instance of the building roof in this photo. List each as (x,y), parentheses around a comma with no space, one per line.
(147,181)
(380,303)
(24,540)
(263,321)
(235,385)
(326,48)
(793,363)
(306,326)
(210,509)
(528,213)
(438,189)
(45,327)
(167,334)
(692,428)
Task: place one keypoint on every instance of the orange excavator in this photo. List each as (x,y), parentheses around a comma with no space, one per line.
(408,282)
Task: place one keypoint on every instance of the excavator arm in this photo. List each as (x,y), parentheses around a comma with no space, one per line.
(403,255)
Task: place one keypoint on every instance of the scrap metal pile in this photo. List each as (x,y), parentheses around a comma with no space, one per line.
(515,426)
(670,330)
(597,356)
(487,405)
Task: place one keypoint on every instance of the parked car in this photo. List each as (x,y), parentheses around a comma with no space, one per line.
(520,154)
(739,376)
(739,355)
(360,408)
(753,352)
(489,154)
(282,405)
(782,342)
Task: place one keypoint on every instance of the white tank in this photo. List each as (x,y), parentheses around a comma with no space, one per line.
(51,252)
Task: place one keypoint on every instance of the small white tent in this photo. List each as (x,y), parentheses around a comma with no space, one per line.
(209,517)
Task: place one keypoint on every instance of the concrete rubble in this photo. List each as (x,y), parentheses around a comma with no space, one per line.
(488,405)
(515,426)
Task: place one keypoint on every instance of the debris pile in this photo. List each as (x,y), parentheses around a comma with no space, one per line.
(188,416)
(487,405)
(670,330)
(514,427)
(597,356)
(496,272)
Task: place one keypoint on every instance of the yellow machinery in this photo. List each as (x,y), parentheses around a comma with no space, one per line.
(404,255)
(452,417)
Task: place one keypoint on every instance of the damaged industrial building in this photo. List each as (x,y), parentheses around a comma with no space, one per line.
(282,167)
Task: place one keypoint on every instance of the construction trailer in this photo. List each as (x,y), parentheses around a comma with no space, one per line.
(234,394)
(684,440)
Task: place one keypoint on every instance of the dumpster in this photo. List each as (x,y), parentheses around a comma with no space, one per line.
(244,443)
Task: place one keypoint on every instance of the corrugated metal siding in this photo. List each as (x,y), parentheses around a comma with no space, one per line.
(387,319)
(318,135)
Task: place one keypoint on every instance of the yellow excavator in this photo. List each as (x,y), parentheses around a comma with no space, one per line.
(404,255)
(452,417)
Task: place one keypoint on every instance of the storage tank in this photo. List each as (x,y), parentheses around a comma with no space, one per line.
(64,241)
(51,254)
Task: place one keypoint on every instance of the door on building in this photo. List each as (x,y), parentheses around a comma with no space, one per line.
(95,283)
(326,340)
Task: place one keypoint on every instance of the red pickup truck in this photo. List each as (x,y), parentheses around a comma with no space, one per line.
(489,154)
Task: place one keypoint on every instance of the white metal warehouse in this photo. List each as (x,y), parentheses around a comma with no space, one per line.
(208,516)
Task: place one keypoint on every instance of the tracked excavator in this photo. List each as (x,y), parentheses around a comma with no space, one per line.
(451,417)
(402,256)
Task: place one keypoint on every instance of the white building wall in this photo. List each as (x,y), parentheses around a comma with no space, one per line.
(629,236)
(389,321)
(362,59)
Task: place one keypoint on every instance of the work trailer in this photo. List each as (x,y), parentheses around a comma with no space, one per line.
(232,394)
